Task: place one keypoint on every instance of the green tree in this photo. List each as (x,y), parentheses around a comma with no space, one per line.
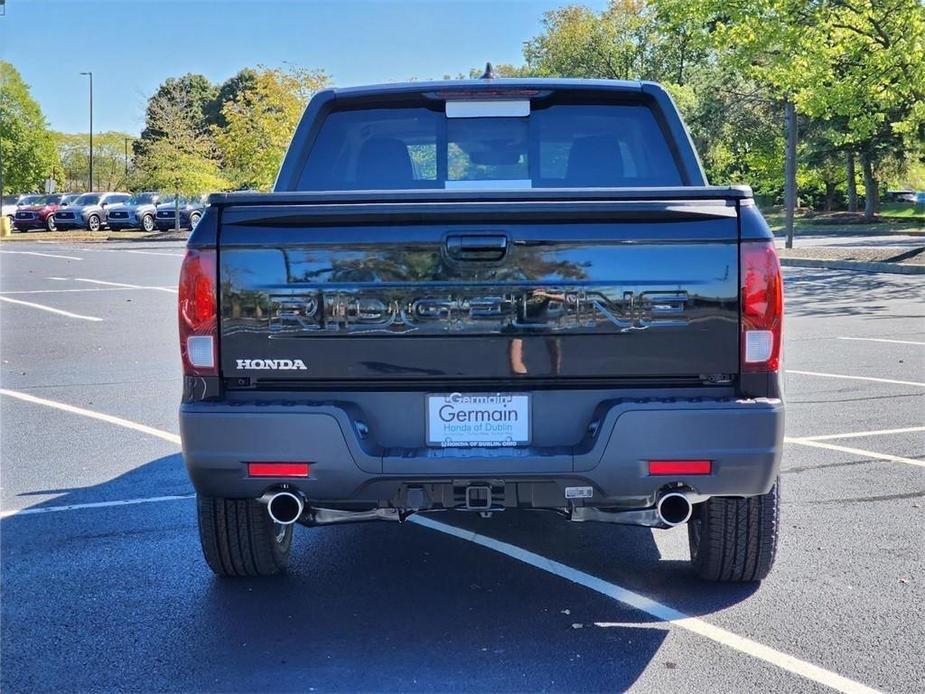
(108,160)
(260,122)
(198,95)
(855,63)
(618,43)
(27,148)
(177,151)
(877,50)
(229,91)
(630,39)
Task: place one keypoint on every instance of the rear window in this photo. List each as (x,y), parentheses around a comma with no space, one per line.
(560,146)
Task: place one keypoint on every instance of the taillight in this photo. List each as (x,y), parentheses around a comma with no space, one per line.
(762,306)
(198,309)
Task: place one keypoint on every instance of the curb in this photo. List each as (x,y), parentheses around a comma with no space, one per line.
(183,238)
(821,230)
(890,268)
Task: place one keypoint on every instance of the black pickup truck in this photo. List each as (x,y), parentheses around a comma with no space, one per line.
(485,295)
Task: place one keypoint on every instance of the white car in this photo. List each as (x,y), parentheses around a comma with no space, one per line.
(12,202)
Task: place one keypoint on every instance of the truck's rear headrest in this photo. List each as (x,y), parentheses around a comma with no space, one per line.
(595,161)
(384,162)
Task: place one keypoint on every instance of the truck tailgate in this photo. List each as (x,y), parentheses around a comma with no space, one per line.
(477,294)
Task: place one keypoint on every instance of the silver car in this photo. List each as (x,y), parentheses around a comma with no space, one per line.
(135,213)
(89,211)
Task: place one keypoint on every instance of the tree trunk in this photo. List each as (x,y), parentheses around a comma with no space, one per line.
(790,169)
(829,196)
(852,183)
(871,190)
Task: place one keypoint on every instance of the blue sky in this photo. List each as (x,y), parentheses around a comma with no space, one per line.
(133,45)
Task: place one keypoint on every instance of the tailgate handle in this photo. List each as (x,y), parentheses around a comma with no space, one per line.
(482,247)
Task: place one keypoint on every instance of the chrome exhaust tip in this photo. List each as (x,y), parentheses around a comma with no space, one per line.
(284,507)
(674,508)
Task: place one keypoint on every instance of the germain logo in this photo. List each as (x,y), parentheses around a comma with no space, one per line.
(272,364)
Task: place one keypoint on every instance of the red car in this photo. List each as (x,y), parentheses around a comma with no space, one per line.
(40,214)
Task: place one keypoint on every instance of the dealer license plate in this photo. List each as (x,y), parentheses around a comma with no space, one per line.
(472,420)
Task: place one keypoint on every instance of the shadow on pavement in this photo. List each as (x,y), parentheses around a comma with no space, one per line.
(847,293)
(120,598)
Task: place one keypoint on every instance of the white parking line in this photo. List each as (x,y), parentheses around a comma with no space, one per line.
(42,307)
(44,255)
(628,625)
(118,421)
(172,255)
(855,451)
(857,378)
(67,291)
(860,434)
(879,339)
(98,504)
(655,609)
(125,286)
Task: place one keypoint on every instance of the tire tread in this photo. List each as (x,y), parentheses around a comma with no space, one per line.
(237,538)
(738,537)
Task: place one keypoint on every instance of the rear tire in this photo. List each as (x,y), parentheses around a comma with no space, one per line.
(239,538)
(735,539)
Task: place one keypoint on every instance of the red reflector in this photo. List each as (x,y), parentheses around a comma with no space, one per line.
(680,467)
(277,469)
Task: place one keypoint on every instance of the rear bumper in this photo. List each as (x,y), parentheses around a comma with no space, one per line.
(743,438)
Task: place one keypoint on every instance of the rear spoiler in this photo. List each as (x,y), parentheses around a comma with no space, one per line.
(563,195)
(503,211)
(268,211)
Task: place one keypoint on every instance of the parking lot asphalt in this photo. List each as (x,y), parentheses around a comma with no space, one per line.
(104,587)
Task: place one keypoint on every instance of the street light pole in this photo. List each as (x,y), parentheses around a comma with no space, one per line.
(126,157)
(90,74)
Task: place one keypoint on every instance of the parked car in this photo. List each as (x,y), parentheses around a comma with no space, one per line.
(557,313)
(89,211)
(138,212)
(900,195)
(8,206)
(13,202)
(40,213)
(191,209)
